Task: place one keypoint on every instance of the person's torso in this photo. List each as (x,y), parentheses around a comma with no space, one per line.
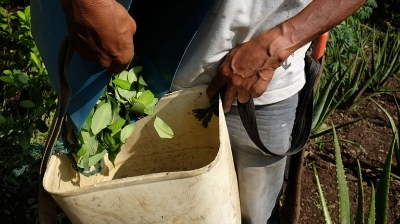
(231,23)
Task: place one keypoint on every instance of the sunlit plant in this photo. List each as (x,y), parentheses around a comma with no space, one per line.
(379,200)
(109,124)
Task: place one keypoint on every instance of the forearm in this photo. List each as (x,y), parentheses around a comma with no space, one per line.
(317,18)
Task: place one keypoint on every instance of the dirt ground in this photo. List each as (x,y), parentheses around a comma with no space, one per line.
(372,132)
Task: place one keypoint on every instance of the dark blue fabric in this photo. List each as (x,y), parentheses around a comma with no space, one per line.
(165,28)
(87,80)
(164,31)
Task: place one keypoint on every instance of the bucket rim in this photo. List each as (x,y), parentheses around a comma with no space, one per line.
(141,179)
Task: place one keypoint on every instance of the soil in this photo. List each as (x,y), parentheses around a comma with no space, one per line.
(372,137)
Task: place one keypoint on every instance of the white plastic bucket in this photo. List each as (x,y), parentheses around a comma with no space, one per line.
(187,179)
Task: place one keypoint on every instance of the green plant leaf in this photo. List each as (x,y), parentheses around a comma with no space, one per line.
(4,26)
(344,203)
(137,69)
(90,142)
(150,110)
(382,193)
(109,139)
(2,120)
(112,154)
(122,84)
(96,158)
(132,77)
(87,125)
(117,125)
(101,118)
(141,81)
(360,200)
(27,104)
(162,128)
(40,111)
(371,215)
(21,15)
(325,210)
(114,108)
(23,78)
(397,145)
(8,73)
(83,161)
(6,79)
(41,126)
(27,11)
(123,75)
(24,140)
(126,132)
(126,94)
(137,109)
(146,98)
(81,152)
(35,59)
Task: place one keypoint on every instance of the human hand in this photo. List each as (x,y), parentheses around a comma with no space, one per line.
(246,71)
(101,31)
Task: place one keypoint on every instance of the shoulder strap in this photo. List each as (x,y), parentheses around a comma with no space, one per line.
(302,124)
(47,205)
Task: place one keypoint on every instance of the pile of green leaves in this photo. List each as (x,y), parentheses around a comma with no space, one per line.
(109,124)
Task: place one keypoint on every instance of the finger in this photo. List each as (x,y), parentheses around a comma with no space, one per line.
(259,87)
(228,97)
(243,96)
(215,85)
(117,68)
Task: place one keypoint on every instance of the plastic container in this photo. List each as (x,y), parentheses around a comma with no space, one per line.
(187,179)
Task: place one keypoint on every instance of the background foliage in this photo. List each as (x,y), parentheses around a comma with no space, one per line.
(27,98)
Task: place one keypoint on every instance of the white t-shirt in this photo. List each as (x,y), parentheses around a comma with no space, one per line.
(231,23)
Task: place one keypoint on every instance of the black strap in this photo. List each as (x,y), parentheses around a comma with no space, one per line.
(302,124)
(47,205)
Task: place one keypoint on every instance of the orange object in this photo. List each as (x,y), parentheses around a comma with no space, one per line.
(319,46)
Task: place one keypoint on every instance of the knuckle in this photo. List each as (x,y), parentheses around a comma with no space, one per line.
(236,82)
(257,92)
(225,71)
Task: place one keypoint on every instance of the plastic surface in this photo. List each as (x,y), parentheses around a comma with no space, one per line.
(187,179)
(319,46)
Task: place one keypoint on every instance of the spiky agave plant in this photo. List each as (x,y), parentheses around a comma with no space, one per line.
(376,214)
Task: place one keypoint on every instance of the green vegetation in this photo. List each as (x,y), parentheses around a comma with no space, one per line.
(27,98)
(379,201)
(360,60)
(109,124)
(362,54)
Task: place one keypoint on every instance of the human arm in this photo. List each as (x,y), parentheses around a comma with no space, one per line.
(100,31)
(248,68)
